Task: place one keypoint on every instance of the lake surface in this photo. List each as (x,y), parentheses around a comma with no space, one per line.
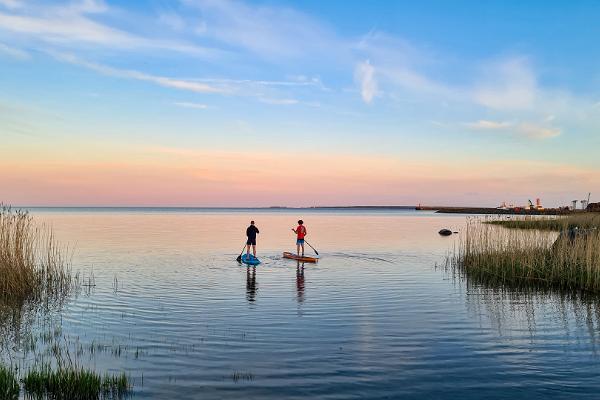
(375,318)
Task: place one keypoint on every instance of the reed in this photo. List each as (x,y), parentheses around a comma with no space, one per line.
(490,254)
(72,383)
(9,385)
(32,265)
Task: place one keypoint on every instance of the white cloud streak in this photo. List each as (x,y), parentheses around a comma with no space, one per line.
(523,129)
(483,124)
(173,83)
(185,104)
(365,76)
(509,85)
(11,4)
(71,24)
(272,32)
(14,53)
(535,131)
(282,102)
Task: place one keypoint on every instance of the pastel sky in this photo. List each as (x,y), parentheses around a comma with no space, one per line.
(232,103)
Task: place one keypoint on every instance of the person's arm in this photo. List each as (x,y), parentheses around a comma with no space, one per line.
(305,231)
(293,230)
(257,231)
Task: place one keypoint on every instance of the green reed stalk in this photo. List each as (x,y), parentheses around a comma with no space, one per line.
(529,257)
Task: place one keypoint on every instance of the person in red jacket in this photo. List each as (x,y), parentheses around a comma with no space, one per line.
(300,231)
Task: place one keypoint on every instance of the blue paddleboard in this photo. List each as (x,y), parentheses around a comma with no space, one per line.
(251,260)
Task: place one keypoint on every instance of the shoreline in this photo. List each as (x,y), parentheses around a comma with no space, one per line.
(497,211)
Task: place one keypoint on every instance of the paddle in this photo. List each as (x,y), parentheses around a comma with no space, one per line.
(239,258)
(316,252)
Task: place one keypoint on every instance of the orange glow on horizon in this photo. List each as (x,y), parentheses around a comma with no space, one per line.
(172,177)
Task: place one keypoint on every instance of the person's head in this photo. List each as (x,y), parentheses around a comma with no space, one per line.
(300,222)
(251,222)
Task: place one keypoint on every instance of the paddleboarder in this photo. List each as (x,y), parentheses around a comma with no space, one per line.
(251,232)
(300,231)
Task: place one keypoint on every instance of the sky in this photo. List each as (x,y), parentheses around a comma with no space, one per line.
(312,103)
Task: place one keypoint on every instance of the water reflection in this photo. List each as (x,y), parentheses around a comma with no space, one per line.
(536,312)
(18,317)
(300,282)
(251,286)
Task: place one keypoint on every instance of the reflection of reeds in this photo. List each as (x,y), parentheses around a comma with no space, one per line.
(32,265)
(498,256)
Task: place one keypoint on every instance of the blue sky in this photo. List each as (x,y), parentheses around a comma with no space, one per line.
(461,86)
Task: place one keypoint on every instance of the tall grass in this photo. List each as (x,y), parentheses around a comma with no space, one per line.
(524,258)
(74,384)
(32,265)
(9,385)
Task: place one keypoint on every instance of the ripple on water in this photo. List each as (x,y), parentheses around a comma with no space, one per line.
(373,319)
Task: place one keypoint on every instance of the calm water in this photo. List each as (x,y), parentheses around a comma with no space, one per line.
(373,319)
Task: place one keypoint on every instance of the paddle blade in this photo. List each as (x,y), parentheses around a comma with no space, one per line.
(239,258)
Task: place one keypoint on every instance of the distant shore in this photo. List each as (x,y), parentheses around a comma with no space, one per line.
(438,209)
(489,210)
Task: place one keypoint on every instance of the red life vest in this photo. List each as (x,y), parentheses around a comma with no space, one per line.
(301,231)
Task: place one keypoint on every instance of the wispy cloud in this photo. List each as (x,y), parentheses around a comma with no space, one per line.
(172,21)
(365,76)
(185,104)
(507,85)
(483,124)
(14,53)
(535,131)
(524,129)
(73,23)
(181,84)
(241,87)
(272,32)
(284,102)
(11,4)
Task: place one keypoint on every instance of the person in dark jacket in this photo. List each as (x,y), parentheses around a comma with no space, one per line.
(251,232)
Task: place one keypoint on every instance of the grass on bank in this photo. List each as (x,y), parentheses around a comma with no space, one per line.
(529,257)
(32,265)
(557,224)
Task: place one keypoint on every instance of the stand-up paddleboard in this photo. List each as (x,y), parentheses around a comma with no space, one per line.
(292,256)
(250,259)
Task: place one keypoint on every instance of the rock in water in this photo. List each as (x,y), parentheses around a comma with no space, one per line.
(445,232)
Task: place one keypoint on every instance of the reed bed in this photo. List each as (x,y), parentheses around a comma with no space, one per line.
(74,384)
(529,257)
(557,224)
(9,385)
(32,265)
(63,383)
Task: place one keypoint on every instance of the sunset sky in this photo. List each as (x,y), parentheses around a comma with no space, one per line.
(219,103)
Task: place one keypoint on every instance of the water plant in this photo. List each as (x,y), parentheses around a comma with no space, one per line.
(75,383)
(32,265)
(9,385)
(557,224)
(490,254)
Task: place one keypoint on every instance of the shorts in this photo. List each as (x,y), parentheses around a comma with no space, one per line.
(300,242)
(251,241)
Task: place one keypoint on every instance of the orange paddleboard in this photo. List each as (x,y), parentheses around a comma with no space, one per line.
(293,256)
